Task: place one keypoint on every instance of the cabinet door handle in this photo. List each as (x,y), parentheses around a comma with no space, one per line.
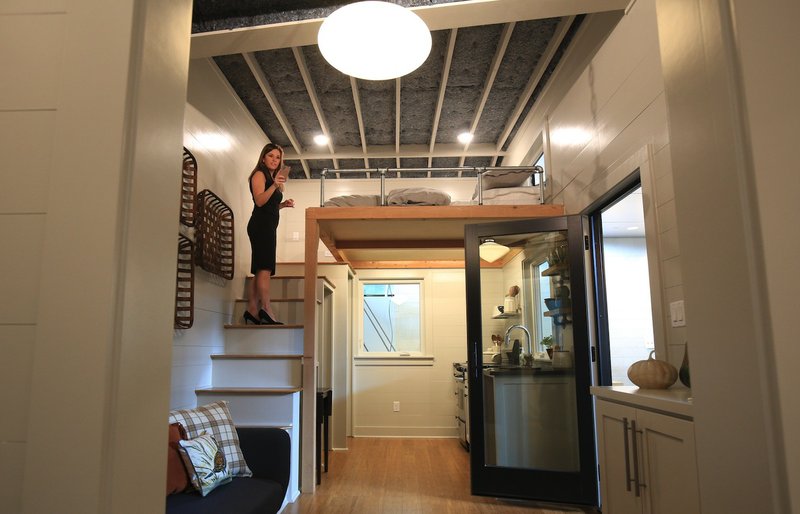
(627,455)
(637,483)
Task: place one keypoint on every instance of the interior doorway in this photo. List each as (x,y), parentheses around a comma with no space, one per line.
(623,308)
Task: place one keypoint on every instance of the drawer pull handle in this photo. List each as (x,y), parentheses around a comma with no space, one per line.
(627,455)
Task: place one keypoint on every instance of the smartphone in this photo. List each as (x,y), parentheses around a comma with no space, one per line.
(285,171)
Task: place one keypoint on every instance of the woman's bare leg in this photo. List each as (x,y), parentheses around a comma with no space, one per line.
(252,298)
(262,284)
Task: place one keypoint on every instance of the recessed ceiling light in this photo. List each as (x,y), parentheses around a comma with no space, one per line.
(633,228)
(321,139)
(464,138)
(374,40)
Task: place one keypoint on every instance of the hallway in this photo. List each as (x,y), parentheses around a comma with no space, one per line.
(388,476)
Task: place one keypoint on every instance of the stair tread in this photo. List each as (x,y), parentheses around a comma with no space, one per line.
(257,356)
(261,327)
(244,300)
(248,390)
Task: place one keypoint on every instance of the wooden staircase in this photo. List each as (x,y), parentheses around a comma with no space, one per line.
(260,374)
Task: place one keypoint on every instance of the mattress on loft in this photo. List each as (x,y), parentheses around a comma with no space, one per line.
(405,196)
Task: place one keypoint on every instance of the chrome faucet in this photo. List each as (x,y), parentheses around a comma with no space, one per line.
(527,336)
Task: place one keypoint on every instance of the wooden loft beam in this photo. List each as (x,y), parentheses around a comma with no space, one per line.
(404,243)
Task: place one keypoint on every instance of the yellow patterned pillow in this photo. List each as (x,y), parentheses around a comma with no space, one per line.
(206,463)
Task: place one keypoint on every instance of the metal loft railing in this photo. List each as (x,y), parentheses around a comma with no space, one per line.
(479,171)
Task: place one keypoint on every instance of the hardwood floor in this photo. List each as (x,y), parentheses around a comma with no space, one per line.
(407,476)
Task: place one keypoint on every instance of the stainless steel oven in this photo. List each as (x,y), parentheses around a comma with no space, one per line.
(461,393)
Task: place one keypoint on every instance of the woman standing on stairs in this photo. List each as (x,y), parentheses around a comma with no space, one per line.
(266,187)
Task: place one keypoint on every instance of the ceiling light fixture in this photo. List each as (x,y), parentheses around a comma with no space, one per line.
(464,138)
(374,40)
(321,139)
(491,251)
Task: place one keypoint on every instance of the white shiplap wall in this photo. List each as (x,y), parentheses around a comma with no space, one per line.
(612,121)
(28,103)
(89,120)
(226,143)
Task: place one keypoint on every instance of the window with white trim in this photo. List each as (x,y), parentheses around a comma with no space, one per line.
(391,318)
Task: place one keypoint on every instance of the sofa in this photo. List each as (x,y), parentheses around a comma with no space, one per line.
(267,452)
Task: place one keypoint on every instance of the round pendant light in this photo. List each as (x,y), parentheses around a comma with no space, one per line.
(491,251)
(374,40)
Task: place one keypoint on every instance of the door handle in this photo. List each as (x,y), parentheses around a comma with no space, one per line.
(637,482)
(627,454)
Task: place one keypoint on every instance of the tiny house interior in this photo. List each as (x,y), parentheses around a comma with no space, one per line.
(579,74)
(692,97)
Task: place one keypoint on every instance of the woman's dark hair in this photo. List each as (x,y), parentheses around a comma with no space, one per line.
(260,166)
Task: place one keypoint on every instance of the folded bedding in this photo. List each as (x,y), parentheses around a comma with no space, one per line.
(354,201)
(417,196)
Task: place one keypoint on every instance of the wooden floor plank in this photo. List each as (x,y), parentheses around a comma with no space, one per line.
(405,476)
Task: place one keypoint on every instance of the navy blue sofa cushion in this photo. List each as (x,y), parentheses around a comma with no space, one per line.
(268,454)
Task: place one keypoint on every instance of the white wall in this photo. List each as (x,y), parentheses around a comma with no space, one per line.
(90,118)
(611,122)
(226,143)
(731,76)
(28,103)
(766,45)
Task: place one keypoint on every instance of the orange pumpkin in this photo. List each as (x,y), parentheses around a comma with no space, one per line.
(652,373)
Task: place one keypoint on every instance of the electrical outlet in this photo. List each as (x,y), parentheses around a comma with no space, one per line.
(396,406)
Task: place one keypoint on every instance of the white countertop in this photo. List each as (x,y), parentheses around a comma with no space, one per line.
(675,401)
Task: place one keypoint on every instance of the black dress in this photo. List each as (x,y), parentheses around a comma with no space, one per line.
(262,229)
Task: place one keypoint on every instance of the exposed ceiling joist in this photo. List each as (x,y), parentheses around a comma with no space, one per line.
(258,74)
(312,94)
(360,119)
(397,91)
(508,29)
(388,152)
(536,77)
(448,61)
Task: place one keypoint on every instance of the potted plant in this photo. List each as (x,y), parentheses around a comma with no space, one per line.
(547,343)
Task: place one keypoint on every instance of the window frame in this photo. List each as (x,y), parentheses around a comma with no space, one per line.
(422,354)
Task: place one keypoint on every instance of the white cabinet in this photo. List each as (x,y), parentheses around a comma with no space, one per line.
(647,461)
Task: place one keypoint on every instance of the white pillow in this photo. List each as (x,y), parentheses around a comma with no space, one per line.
(494,179)
(524,195)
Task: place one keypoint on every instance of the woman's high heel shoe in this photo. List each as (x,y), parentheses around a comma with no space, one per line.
(266,319)
(249,318)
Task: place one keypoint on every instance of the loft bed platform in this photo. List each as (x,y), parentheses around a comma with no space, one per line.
(406,236)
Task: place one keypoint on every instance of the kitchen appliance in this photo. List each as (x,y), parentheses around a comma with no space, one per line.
(461,393)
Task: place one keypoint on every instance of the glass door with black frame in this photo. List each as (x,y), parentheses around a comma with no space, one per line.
(531,420)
